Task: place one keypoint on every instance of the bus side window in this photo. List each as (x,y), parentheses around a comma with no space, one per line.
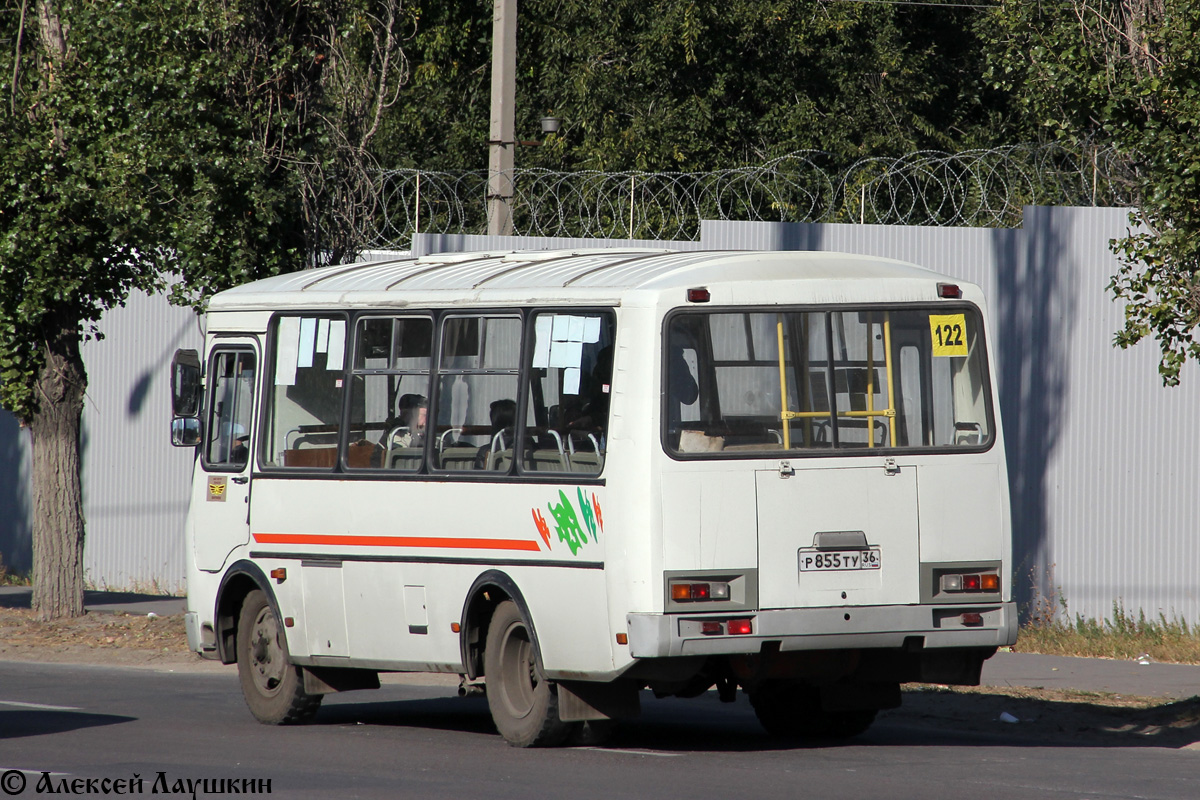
(476,392)
(683,387)
(570,387)
(231,406)
(304,399)
(389,405)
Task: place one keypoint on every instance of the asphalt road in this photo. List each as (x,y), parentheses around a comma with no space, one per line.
(419,740)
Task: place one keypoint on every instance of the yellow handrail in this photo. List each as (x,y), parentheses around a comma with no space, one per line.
(871,380)
(887,345)
(783,404)
(888,413)
(870,413)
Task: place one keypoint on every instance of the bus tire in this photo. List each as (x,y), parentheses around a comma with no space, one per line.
(272,685)
(524,704)
(792,710)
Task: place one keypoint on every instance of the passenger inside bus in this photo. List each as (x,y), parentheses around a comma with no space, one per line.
(503,414)
(414,413)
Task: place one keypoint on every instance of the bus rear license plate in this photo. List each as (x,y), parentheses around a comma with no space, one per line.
(835,560)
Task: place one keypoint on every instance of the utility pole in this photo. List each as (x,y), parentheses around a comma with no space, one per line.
(501,134)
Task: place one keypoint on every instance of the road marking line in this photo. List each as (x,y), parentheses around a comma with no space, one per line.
(35,772)
(39,706)
(624,752)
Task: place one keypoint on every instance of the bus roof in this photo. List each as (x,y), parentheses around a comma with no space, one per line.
(560,274)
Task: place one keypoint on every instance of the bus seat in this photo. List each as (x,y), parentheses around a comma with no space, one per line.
(405,457)
(499,455)
(589,458)
(324,457)
(500,461)
(586,462)
(458,457)
(967,433)
(359,455)
(548,459)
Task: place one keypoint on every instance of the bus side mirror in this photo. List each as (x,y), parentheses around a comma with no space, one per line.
(185,398)
(185,383)
(185,431)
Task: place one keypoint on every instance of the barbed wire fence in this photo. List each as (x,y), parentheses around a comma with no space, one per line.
(981,188)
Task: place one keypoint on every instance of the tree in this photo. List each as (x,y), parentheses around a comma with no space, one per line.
(149,144)
(1127,72)
(677,84)
(1160,277)
(683,85)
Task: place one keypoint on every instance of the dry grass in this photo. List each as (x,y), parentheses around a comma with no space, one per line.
(1124,636)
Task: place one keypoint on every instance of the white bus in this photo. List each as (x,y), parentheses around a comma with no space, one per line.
(578,475)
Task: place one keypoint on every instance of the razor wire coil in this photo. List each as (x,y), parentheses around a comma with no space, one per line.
(978,188)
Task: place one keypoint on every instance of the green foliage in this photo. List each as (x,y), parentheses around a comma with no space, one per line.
(1126,72)
(231,132)
(1160,277)
(683,85)
(105,158)
(59,215)
(199,145)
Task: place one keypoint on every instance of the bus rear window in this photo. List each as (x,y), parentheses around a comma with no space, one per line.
(747,382)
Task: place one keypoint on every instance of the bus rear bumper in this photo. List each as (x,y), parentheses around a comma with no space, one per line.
(857,627)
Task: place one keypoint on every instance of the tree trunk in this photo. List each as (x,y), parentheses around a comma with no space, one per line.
(57,494)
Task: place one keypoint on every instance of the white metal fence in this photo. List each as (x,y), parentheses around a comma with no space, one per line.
(1101,465)
(1101,461)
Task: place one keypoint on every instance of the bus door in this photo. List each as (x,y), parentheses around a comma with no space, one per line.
(813,394)
(221,495)
(831,534)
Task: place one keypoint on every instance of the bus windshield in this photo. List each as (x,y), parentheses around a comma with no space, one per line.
(746,381)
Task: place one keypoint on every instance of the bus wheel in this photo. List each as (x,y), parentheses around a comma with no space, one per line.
(272,686)
(524,704)
(793,710)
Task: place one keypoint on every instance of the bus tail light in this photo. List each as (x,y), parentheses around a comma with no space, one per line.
(693,592)
(740,627)
(949,291)
(973,582)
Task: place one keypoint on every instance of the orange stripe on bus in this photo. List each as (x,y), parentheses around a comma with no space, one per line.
(395,541)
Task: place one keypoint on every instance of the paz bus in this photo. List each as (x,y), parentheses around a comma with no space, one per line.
(573,476)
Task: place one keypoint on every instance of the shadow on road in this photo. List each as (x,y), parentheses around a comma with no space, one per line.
(20,597)
(1053,718)
(21,722)
(929,717)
